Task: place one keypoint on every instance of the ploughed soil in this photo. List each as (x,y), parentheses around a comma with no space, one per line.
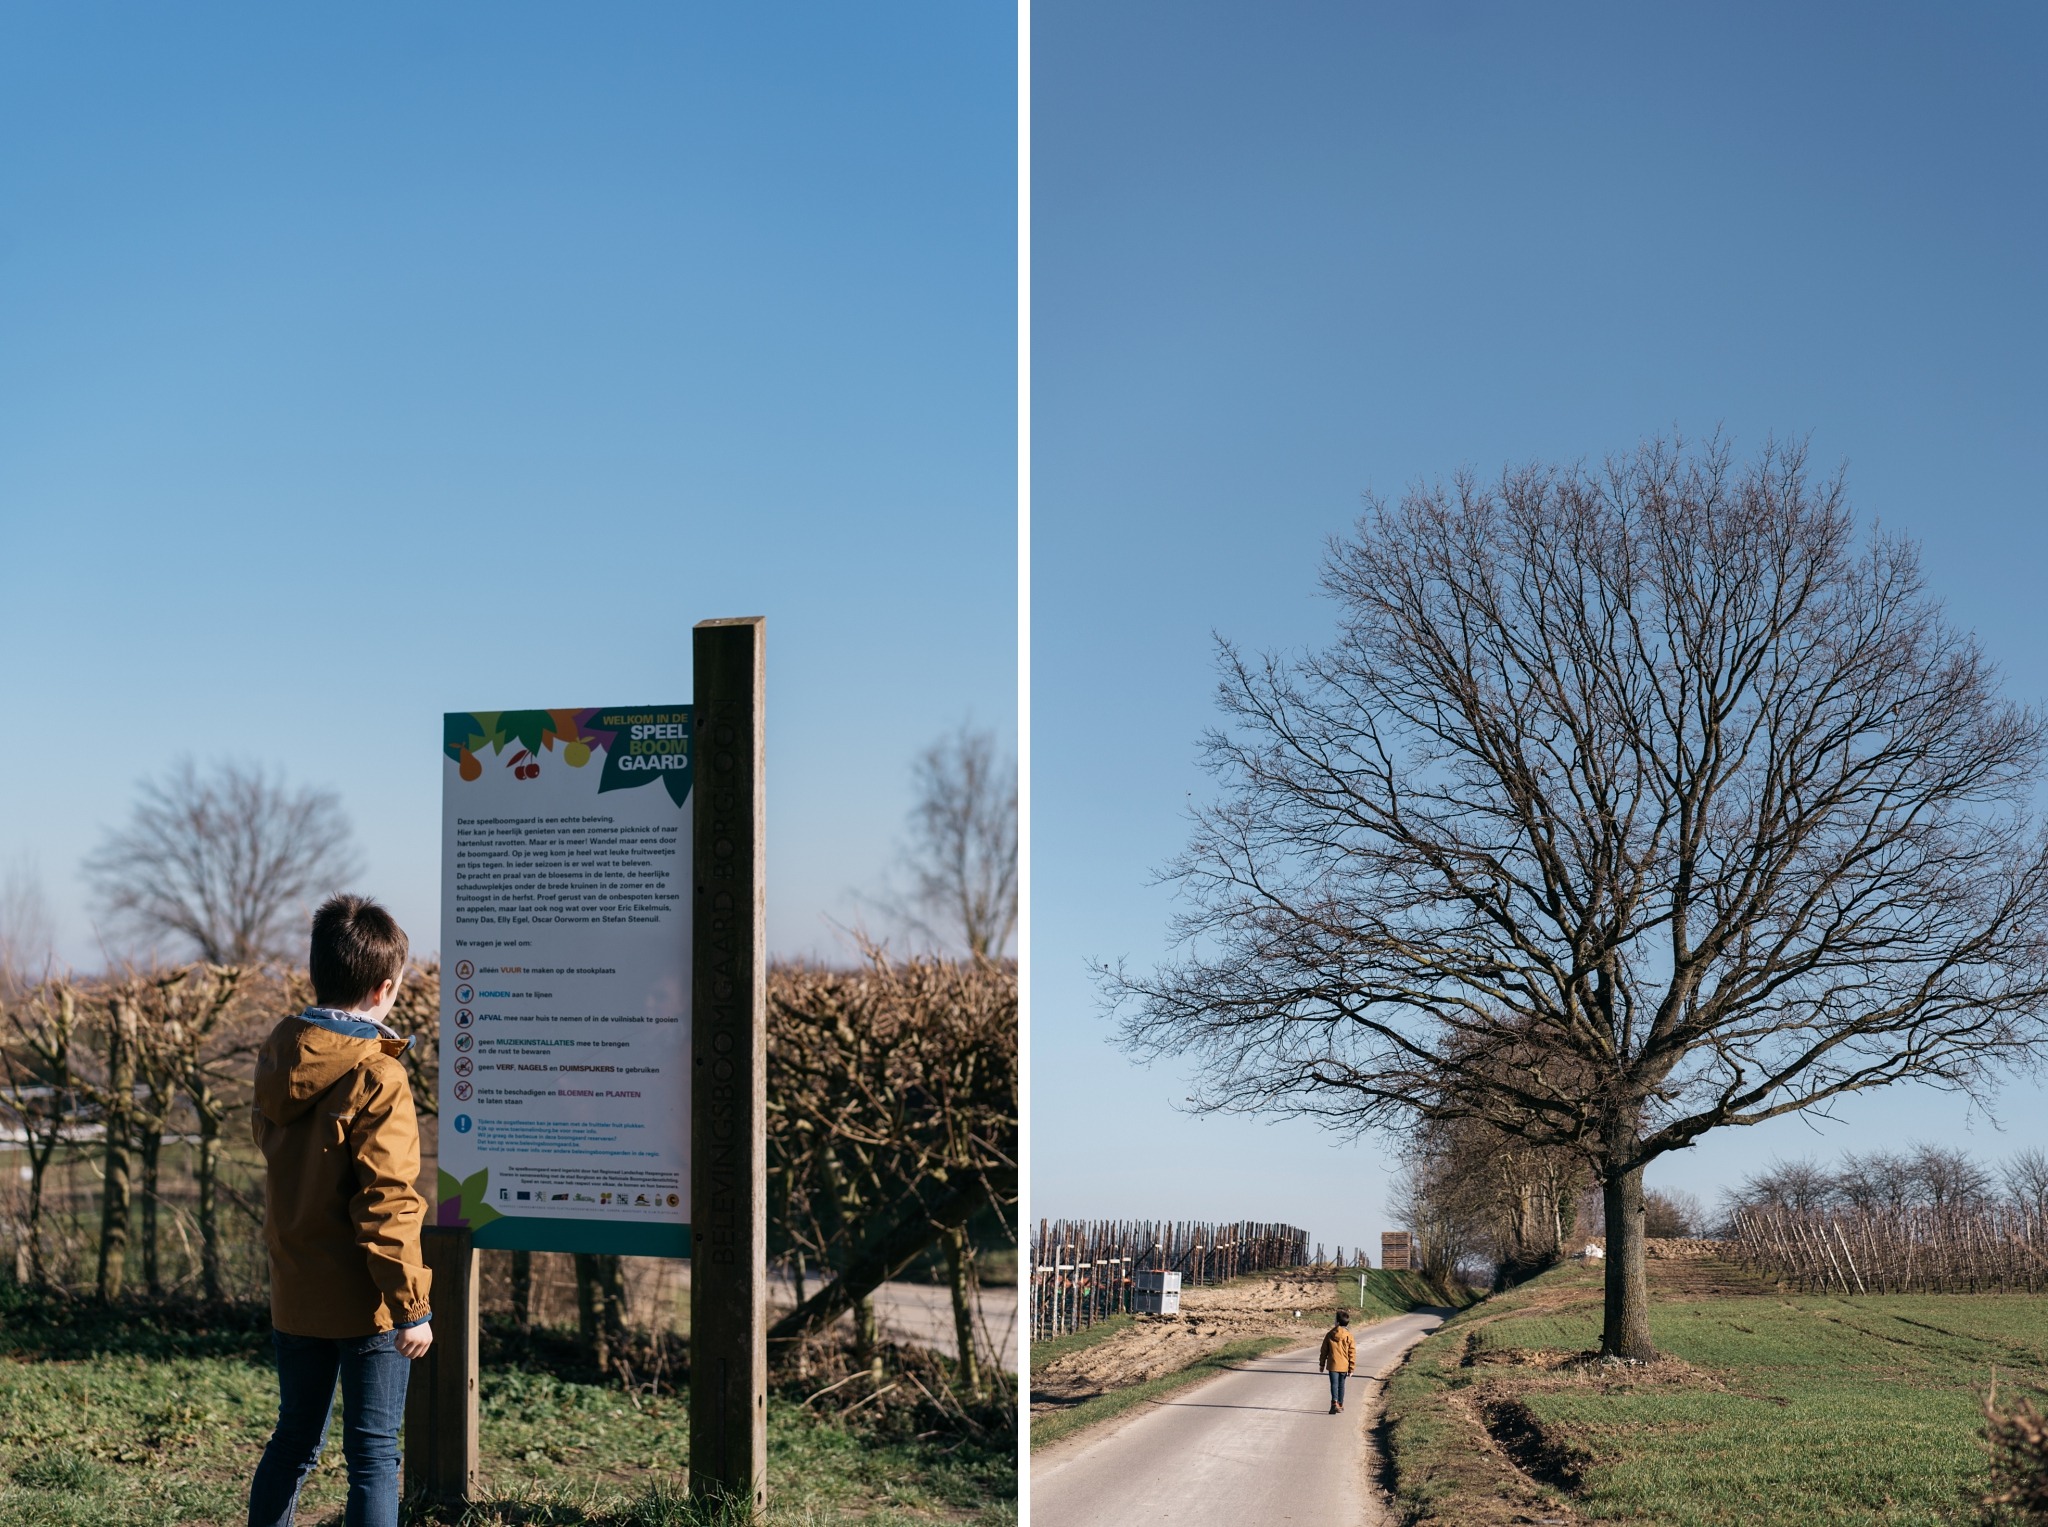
(1265,1304)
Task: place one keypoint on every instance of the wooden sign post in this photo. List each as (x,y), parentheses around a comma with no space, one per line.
(440,1396)
(729,1073)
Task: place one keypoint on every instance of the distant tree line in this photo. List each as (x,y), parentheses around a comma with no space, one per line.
(1920,1177)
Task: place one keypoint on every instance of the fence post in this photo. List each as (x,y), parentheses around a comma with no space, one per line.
(440,1396)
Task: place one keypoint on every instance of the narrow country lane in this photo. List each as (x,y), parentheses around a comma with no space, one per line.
(1253,1447)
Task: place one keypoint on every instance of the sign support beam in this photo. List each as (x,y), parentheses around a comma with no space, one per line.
(441,1393)
(729,1070)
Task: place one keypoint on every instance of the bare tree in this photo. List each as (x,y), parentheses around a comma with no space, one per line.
(2026,1180)
(1673,1213)
(961,857)
(1628,805)
(1870,1181)
(1950,1179)
(225,861)
(25,936)
(1803,1185)
(1436,1203)
(1493,1194)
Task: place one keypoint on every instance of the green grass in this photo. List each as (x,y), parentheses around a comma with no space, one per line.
(1091,1412)
(1397,1293)
(1796,1409)
(92,1436)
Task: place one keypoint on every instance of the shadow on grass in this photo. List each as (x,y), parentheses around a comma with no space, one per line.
(39,1326)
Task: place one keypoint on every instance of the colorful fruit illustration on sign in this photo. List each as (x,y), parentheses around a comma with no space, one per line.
(576,754)
(469,768)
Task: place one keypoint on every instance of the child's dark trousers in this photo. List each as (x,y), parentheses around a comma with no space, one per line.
(373,1378)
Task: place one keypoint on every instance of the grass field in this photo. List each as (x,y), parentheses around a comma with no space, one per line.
(1766,1409)
(167,1429)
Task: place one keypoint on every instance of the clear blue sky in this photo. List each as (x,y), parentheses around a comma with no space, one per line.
(360,363)
(1286,253)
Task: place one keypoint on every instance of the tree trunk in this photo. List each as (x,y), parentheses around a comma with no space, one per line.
(207,1172)
(119,1113)
(39,1170)
(867,1337)
(522,1291)
(152,1156)
(1627,1330)
(960,1274)
(600,1301)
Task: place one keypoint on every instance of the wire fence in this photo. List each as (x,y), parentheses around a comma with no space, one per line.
(1082,1270)
(1977,1249)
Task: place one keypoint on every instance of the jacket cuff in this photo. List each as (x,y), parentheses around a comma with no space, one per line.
(417,1320)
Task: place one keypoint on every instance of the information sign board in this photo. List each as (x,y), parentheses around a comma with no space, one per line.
(565,978)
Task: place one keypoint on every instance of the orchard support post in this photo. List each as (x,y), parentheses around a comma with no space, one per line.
(729,1071)
(441,1395)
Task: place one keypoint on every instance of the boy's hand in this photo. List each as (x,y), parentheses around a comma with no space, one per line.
(413,1341)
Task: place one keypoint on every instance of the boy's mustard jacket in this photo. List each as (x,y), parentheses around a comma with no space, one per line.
(334,1119)
(1340,1352)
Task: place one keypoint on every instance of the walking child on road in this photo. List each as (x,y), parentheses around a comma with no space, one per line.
(1340,1355)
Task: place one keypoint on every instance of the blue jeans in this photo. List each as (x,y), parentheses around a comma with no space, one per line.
(373,1379)
(1337,1386)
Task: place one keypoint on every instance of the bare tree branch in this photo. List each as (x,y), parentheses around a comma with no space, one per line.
(226,862)
(961,857)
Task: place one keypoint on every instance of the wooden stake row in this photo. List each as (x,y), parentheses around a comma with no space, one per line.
(1921,1250)
(1081,1269)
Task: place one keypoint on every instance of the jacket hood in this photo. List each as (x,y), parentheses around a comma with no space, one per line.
(304,1056)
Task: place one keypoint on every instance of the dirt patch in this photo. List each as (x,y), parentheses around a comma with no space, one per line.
(1542,1458)
(1210,1318)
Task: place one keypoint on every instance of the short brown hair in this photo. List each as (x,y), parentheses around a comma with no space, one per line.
(357,947)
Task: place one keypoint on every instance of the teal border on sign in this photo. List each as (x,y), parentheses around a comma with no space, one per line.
(528,1232)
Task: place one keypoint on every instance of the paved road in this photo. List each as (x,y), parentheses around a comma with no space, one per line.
(1253,1448)
(921,1314)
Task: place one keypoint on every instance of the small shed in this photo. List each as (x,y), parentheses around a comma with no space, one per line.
(1155,1293)
(1397,1250)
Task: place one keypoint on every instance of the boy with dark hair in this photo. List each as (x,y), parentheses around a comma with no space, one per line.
(1340,1356)
(341,1218)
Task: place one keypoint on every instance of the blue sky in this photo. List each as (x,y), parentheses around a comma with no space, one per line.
(359,364)
(1289,253)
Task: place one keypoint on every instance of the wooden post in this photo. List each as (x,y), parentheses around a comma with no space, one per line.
(440,1396)
(729,1071)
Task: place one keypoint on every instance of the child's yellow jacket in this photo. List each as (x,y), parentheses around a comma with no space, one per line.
(341,1216)
(1340,1352)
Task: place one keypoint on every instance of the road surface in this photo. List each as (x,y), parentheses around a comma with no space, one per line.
(1253,1448)
(921,1314)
